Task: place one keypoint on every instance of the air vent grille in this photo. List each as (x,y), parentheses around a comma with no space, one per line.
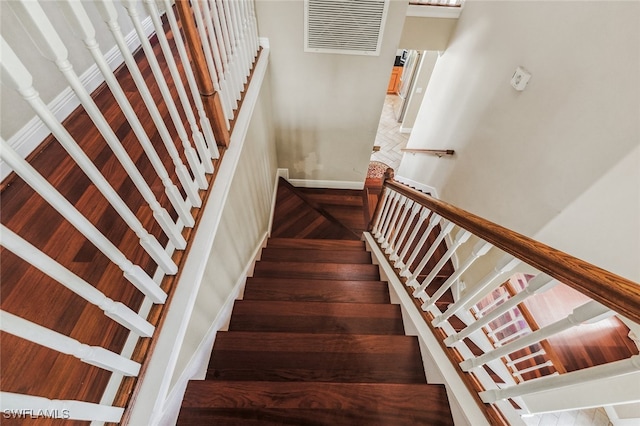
(344,26)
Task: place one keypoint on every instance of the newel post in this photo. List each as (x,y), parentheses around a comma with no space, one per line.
(388,177)
(210,97)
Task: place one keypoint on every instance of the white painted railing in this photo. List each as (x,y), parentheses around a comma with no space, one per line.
(228,30)
(410,228)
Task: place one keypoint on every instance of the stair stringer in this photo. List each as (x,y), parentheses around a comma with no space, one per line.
(464,407)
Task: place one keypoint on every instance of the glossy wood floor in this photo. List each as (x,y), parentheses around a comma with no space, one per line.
(32,369)
(315,340)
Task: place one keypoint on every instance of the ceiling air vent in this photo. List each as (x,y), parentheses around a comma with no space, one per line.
(352,27)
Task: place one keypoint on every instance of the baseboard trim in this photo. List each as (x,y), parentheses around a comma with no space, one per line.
(330,184)
(196,368)
(418,185)
(280,173)
(31,135)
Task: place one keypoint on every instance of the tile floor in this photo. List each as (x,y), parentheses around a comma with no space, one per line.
(388,137)
(592,417)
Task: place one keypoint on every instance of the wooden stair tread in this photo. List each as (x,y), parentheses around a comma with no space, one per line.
(316,317)
(318,244)
(314,403)
(337,271)
(315,255)
(310,342)
(372,291)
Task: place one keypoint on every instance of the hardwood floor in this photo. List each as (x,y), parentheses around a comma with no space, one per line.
(315,340)
(32,369)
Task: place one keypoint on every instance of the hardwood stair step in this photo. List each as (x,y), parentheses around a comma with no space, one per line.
(243,355)
(313,255)
(316,244)
(327,271)
(271,403)
(311,290)
(316,317)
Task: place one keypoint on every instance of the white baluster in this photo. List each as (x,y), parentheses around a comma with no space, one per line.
(519,373)
(515,361)
(93,355)
(209,39)
(110,16)
(245,63)
(384,206)
(479,249)
(395,200)
(244,36)
(235,62)
(590,312)
(447,227)
(493,332)
(488,283)
(230,63)
(540,284)
(15,404)
(133,273)
(393,223)
(461,238)
(195,94)
(224,48)
(192,157)
(433,221)
(254,26)
(16,76)
(198,138)
(401,226)
(612,369)
(44,35)
(424,214)
(114,310)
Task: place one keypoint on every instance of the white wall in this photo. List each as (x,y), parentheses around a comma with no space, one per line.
(524,158)
(326,106)
(245,221)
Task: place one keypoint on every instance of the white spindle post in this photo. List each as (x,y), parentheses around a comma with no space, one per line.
(245,64)
(198,138)
(395,201)
(397,243)
(209,39)
(424,214)
(480,249)
(393,223)
(401,225)
(462,236)
(519,373)
(243,39)
(190,153)
(254,26)
(506,264)
(588,313)
(93,355)
(235,59)
(433,221)
(446,228)
(612,369)
(540,284)
(193,86)
(110,17)
(225,50)
(493,332)
(133,273)
(46,38)
(16,76)
(513,362)
(377,224)
(114,310)
(230,63)
(15,404)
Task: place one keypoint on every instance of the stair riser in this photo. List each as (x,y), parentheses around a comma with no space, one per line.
(321,256)
(326,271)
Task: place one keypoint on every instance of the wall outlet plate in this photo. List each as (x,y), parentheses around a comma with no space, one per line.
(520,79)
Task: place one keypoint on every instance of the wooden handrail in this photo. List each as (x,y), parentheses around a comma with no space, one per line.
(438,152)
(210,97)
(615,292)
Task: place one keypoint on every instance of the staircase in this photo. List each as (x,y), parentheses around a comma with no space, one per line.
(315,339)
